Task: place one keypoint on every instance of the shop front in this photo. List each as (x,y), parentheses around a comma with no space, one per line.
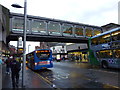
(78,55)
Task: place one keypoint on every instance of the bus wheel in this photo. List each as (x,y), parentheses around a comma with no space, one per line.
(104,64)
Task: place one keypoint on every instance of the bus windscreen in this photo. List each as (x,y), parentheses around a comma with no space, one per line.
(43,54)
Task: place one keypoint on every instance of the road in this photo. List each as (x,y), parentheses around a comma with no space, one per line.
(67,74)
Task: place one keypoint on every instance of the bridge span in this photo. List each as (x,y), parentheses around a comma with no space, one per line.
(50,30)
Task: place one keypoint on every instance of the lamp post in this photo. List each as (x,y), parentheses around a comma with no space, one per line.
(24,42)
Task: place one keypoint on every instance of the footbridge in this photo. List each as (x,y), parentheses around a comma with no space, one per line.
(50,30)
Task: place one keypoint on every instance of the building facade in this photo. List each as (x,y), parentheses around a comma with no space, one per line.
(109,26)
(4,28)
(42,45)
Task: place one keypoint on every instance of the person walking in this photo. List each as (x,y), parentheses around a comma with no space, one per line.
(1,62)
(7,62)
(15,69)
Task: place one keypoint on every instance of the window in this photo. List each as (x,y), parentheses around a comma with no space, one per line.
(116,53)
(43,55)
(115,44)
(94,41)
(105,54)
(18,25)
(89,32)
(78,31)
(98,54)
(96,32)
(54,28)
(116,36)
(104,39)
(38,26)
(67,29)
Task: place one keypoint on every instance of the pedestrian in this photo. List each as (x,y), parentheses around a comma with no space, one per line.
(62,58)
(7,62)
(15,69)
(1,62)
(80,57)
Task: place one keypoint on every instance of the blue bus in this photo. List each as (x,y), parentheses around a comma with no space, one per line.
(39,59)
(106,49)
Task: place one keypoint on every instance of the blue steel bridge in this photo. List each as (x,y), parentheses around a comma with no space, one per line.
(50,30)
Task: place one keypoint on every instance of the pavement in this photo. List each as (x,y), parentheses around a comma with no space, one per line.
(32,80)
(0,76)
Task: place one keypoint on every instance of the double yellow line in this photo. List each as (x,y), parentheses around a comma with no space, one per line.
(111,86)
(106,85)
(47,81)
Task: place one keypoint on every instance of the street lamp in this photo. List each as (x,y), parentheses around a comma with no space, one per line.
(24,42)
(16,6)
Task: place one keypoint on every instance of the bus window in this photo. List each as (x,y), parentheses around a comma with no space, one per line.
(105,39)
(116,53)
(106,47)
(101,41)
(98,54)
(106,54)
(94,41)
(116,36)
(43,55)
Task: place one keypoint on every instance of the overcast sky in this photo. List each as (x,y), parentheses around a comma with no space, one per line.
(92,12)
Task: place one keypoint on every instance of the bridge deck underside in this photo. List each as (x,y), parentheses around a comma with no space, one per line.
(47,38)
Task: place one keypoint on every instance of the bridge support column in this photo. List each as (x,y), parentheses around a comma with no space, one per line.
(84,29)
(47,28)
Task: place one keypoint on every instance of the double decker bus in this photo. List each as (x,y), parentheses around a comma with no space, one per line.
(39,59)
(105,49)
